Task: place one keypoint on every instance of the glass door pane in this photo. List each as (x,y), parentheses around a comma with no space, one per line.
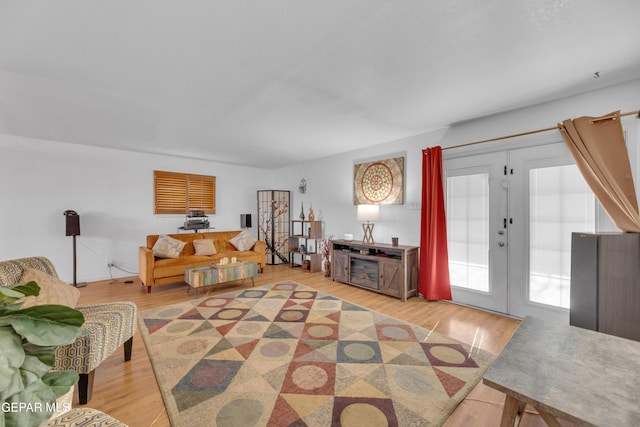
(468,230)
(560,202)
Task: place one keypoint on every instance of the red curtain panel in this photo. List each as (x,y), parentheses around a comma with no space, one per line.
(434,281)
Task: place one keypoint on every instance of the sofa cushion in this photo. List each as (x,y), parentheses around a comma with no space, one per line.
(168,247)
(52,290)
(243,241)
(204,247)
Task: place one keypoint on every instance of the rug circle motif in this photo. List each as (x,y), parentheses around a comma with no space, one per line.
(309,377)
(291,315)
(284,287)
(413,381)
(362,414)
(359,351)
(275,349)
(210,375)
(395,332)
(241,412)
(248,328)
(192,346)
(320,331)
(231,313)
(253,294)
(215,302)
(302,295)
(447,354)
(170,313)
(179,327)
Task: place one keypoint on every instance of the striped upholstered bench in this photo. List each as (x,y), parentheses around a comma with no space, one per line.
(84,417)
(108,326)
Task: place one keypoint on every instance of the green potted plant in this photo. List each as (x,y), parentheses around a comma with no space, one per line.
(28,340)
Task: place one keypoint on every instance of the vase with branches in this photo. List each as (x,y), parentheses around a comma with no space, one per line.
(325,250)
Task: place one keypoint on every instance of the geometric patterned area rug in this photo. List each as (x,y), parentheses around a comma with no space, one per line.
(289,355)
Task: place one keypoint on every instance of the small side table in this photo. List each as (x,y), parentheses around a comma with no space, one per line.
(212,274)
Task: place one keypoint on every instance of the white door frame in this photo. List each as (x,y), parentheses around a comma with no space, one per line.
(514,206)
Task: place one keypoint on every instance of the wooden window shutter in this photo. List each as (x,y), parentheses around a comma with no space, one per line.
(202,193)
(178,193)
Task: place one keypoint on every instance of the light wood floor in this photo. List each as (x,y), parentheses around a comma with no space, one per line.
(128,391)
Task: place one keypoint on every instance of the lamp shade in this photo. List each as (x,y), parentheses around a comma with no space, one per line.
(368,212)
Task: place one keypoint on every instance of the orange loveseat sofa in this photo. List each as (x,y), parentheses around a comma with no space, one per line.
(159,271)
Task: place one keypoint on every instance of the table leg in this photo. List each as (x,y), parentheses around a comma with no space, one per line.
(548,418)
(512,412)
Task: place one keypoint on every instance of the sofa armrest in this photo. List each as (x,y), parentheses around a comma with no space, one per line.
(261,247)
(145,265)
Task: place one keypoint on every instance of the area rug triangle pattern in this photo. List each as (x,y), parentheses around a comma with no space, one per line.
(289,355)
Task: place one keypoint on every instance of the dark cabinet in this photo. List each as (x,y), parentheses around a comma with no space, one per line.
(605,283)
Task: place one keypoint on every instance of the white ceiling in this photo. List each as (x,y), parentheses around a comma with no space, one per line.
(271,83)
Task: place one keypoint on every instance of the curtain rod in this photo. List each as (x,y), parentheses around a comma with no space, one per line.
(515,135)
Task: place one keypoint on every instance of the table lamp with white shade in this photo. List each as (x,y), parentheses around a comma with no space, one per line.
(368,213)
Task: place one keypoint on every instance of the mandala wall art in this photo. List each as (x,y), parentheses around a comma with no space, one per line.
(379,183)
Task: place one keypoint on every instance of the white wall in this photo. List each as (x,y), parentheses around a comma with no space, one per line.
(330,180)
(112,191)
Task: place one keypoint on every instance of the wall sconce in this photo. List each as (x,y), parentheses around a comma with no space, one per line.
(368,213)
(303,186)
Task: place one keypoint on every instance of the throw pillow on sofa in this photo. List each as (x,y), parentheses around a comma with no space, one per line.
(243,241)
(168,247)
(204,247)
(52,290)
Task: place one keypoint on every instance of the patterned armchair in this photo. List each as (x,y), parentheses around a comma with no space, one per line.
(107,327)
(84,417)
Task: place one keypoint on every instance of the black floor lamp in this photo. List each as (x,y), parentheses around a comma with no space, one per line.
(73,229)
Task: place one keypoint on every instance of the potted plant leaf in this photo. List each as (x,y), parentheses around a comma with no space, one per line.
(28,340)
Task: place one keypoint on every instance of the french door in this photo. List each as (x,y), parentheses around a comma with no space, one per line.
(510,215)
(476,204)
